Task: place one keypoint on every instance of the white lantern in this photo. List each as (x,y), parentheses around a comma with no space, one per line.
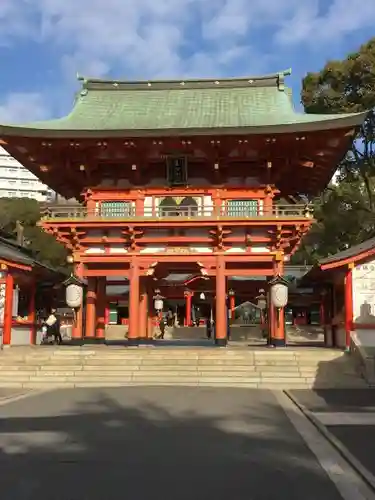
(279,294)
(158,304)
(73,292)
(74,296)
(158,301)
(202,296)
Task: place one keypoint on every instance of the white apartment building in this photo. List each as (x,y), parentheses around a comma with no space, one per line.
(18,182)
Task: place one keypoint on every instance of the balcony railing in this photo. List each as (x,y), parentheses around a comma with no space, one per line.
(127,212)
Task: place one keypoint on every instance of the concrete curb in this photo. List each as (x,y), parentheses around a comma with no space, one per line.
(344,452)
(13,398)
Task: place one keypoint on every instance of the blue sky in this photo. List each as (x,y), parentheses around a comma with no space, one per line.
(44,43)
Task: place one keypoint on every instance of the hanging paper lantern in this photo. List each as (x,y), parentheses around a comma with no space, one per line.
(73,292)
(279,292)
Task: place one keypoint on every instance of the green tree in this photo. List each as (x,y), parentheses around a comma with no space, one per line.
(348,86)
(342,220)
(19,218)
(345,211)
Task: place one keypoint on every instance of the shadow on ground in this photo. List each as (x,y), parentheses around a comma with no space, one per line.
(155,443)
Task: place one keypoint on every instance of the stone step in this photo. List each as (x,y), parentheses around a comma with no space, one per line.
(67,351)
(275,384)
(60,376)
(182,360)
(106,367)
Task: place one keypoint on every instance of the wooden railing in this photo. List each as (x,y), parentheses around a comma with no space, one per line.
(127,212)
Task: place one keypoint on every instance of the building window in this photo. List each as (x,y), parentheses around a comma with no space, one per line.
(115,209)
(242,208)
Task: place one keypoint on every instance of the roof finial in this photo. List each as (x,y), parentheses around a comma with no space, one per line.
(281,78)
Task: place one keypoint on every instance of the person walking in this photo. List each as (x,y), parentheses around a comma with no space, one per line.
(53,326)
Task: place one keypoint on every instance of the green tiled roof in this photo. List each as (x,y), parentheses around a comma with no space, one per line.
(256,105)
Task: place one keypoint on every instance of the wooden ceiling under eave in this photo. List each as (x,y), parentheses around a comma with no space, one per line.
(300,163)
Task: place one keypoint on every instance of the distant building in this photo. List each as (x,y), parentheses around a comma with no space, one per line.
(18,182)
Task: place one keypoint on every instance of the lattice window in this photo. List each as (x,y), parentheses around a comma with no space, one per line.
(242,208)
(116,209)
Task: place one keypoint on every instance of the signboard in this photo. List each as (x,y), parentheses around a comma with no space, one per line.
(364,293)
(178,250)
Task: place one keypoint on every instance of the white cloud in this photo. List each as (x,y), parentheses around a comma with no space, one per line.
(157,38)
(18,106)
(169,38)
(141,37)
(309,25)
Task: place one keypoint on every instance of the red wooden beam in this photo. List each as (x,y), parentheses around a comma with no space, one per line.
(86,223)
(15,265)
(205,259)
(191,240)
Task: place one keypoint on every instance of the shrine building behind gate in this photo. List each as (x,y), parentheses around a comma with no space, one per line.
(204,178)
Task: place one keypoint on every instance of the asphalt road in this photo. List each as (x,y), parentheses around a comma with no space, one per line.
(151,443)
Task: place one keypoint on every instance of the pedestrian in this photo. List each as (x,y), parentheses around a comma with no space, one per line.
(53,326)
(162,325)
(170,318)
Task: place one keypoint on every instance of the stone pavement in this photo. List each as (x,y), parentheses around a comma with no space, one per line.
(158,443)
(349,415)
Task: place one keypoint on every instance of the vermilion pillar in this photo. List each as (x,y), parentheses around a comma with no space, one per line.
(8,309)
(348,305)
(101,303)
(271,321)
(221,309)
(133,332)
(150,314)
(139,207)
(232,303)
(77,331)
(143,315)
(278,321)
(32,315)
(267,202)
(322,315)
(188,301)
(91,308)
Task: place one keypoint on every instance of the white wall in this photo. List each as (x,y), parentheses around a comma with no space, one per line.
(364,293)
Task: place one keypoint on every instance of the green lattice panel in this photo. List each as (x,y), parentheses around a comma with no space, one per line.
(242,208)
(115,209)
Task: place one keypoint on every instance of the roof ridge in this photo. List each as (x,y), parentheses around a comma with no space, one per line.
(273,79)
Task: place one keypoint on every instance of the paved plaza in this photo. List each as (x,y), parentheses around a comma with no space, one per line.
(161,443)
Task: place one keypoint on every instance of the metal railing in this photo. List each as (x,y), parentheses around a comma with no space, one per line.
(127,212)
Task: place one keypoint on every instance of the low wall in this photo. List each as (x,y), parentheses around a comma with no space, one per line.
(362,348)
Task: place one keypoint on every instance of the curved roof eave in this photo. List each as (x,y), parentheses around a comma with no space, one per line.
(51,129)
(352,255)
